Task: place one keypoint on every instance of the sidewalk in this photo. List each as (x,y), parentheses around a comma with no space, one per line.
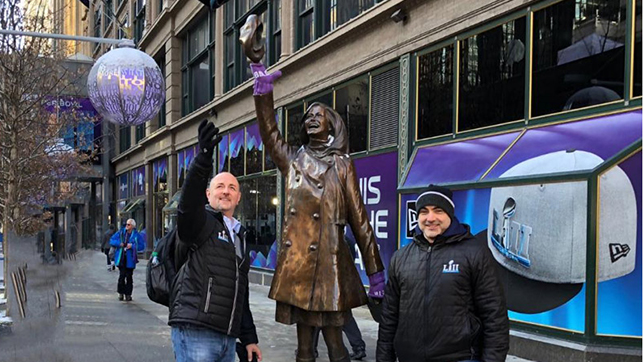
(277,341)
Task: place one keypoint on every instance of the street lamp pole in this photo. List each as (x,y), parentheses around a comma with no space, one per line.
(63,36)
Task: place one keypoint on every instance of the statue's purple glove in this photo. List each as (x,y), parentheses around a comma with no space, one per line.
(377,285)
(263,81)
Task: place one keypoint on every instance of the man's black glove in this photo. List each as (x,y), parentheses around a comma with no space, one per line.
(209,137)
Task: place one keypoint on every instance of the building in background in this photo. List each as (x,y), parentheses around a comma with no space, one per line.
(449,92)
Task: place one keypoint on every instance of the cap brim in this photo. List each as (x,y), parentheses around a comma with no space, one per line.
(530,296)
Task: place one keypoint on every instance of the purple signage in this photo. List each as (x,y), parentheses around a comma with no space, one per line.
(138,181)
(123,187)
(378,181)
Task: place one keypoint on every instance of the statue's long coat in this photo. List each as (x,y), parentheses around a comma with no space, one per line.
(315,268)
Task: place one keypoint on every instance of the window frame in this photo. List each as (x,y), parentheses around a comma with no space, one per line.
(187,63)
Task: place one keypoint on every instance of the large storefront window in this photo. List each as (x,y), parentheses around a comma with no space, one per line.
(160,199)
(237,152)
(293,123)
(352,103)
(435,92)
(254,156)
(257,213)
(492,76)
(184,158)
(578,55)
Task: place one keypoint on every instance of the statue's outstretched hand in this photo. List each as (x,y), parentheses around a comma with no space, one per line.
(263,81)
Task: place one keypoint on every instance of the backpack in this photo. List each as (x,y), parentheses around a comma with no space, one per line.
(160,276)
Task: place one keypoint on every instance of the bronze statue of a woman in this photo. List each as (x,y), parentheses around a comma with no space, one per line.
(316,283)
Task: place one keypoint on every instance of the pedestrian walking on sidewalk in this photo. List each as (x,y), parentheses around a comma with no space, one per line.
(444,300)
(105,246)
(127,242)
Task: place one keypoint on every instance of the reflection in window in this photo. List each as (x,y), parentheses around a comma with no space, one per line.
(257,212)
(237,149)
(294,116)
(352,103)
(253,149)
(577,45)
(435,92)
(491,83)
(637,55)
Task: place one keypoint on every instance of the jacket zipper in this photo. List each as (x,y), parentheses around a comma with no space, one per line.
(243,252)
(427,291)
(232,313)
(205,309)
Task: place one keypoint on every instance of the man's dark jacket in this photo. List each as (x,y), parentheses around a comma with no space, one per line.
(211,287)
(444,302)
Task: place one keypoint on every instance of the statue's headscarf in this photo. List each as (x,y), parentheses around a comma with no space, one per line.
(338,145)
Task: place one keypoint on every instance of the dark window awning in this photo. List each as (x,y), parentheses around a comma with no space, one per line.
(595,140)
(133,205)
(171,206)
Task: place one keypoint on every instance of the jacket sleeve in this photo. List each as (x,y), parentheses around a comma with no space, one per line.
(490,307)
(385,351)
(191,212)
(140,242)
(359,222)
(275,144)
(115,240)
(248,333)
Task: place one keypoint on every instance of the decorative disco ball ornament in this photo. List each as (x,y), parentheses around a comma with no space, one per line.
(126,86)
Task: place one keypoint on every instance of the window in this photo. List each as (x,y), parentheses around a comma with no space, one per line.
(257,213)
(97,27)
(318,17)
(160,193)
(124,138)
(276,29)
(293,122)
(126,25)
(637,56)
(161,116)
(237,151)
(236,12)
(197,50)
(435,92)
(352,103)
(184,158)
(140,132)
(385,98)
(139,21)
(108,13)
(578,55)
(492,76)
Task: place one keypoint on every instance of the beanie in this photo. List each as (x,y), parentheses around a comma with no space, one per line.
(436,196)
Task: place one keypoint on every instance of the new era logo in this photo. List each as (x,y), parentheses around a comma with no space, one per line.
(412,218)
(617,251)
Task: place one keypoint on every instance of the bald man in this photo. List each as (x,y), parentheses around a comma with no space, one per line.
(209,307)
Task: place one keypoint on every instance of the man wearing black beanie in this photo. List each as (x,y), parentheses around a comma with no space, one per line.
(443,300)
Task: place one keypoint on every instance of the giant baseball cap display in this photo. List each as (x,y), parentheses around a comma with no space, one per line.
(538,232)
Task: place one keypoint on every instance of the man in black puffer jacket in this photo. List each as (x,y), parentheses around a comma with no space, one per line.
(443,301)
(209,306)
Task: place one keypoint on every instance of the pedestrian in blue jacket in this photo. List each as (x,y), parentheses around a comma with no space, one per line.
(127,242)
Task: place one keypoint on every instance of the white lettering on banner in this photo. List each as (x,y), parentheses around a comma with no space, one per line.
(368,184)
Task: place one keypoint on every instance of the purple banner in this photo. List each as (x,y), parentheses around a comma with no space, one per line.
(602,136)
(378,180)
(253,139)
(85,122)
(160,174)
(184,157)
(436,165)
(223,154)
(123,186)
(138,181)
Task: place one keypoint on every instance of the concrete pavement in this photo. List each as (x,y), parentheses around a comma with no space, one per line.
(94,326)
